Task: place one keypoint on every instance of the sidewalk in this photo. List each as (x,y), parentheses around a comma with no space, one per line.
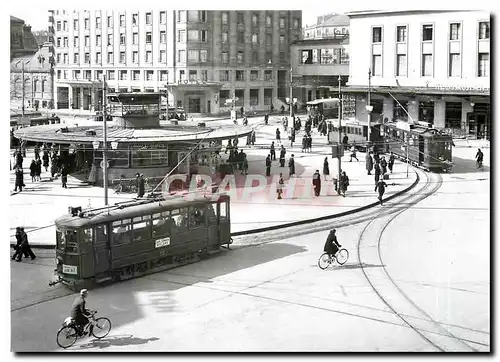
(40,203)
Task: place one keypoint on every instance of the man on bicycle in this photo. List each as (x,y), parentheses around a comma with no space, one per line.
(331,245)
(79,313)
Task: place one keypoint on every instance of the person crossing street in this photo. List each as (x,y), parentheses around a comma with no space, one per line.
(380,187)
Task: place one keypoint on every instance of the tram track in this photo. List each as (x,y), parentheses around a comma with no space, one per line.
(392,295)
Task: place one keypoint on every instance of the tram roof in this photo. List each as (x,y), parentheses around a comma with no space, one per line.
(100,216)
(135,98)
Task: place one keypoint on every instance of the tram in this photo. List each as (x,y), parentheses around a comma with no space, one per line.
(139,237)
(428,148)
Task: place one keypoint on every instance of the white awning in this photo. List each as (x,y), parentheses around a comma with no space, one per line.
(323,101)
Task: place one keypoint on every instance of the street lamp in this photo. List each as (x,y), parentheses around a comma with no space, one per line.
(340,134)
(369,107)
(290,100)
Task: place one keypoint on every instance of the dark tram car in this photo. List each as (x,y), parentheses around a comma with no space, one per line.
(138,238)
(428,148)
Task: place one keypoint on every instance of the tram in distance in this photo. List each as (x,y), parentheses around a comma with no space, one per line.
(139,237)
(428,148)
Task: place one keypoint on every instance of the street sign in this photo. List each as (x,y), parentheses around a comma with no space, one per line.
(102,164)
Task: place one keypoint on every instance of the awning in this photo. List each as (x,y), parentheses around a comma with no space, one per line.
(323,101)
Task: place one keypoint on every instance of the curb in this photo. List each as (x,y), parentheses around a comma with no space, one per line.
(295,223)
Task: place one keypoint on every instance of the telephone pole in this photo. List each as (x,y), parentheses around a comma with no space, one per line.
(339,154)
(105,142)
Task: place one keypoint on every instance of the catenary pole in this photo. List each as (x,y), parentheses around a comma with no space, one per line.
(105,142)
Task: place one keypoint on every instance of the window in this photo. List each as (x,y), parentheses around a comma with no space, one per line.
(110,39)
(163,75)
(181,56)
(269,39)
(65,56)
(149,74)
(255,57)
(401,34)
(122,232)
(296,23)
(75,24)
(87,40)
(224,75)
(204,75)
(282,41)
(255,38)
(136,74)
(163,17)
(241,37)
(377,65)
(401,70)
(269,57)
(377,34)
(426,65)
(225,57)
(58,42)
(123,75)
(453,114)
(98,22)
(427,31)
(269,20)
(135,57)
(163,56)
(240,75)
(149,56)
(75,41)
(135,38)
(254,75)
(65,25)
(98,59)
(282,56)
(225,37)
(182,75)
(483,65)
(484,30)
(58,26)
(149,36)
(224,18)
(192,75)
(203,35)
(98,40)
(87,58)
(163,36)
(110,57)
(162,224)
(135,19)
(193,16)
(454,67)
(122,39)
(326,56)
(86,23)
(203,55)
(181,16)
(255,20)
(110,21)
(240,17)
(98,74)
(282,23)
(268,96)
(268,75)
(148,18)
(141,228)
(181,36)
(240,57)
(254,97)
(193,55)
(122,57)
(58,58)
(193,35)
(455,31)
(76,58)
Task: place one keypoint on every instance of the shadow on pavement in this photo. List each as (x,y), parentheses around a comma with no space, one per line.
(352,266)
(120,340)
(462,165)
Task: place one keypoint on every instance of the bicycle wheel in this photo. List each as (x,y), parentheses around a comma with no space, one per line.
(66,337)
(342,256)
(324,261)
(101,328)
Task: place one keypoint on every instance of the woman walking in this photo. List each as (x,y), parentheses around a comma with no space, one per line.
(326,168)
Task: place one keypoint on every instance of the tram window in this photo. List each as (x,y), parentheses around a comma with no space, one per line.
(122,231)
(211,214)
(71,241)
(141,231)
(86,236)
(180,217)
(196,217)
(161,224)
(101,234)
(60,239)
(223,210)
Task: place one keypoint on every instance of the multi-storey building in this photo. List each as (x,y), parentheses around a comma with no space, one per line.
(202,57)
(320,58)
(432,65)
(22,41)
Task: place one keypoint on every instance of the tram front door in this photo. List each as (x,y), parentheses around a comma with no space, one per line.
(102,251)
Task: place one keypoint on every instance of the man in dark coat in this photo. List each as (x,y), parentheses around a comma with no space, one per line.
(282,156)
(377,172)
(268,165)
(19,158)
(309,142)
(391,161)
(369,163)
(291,166)
(18,250)
(380,186)
(278,135)
(79,313)
(316,180)
(345,142)
(19,179)
(253,137)
(38,172)
(25,245)
(343,183)
(326,168)
(33,170)
(37,152)
(292,137)
(282,110)
(244,165)
(304,143)
(140,185)
(383,165)
(331,245)
(266,119)
(273,152)
(479,158)
(64,176)
(45,159)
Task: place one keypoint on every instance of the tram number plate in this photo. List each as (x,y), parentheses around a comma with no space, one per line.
(70,269)
(162,242)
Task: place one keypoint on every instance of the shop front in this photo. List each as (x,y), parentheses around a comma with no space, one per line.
(196,97)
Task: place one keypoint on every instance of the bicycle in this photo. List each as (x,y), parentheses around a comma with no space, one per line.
(340,257)
(68,333)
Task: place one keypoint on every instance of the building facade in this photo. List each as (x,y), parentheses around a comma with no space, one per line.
(22,40)
(327,26)
(200,58)
(432,65)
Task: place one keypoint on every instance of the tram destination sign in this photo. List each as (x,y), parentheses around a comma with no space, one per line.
(70,269)
(162,242)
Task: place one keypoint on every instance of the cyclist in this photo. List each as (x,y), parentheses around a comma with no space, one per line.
(331,245)
(79,313)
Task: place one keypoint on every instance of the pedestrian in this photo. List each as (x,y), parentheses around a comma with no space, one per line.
(285,124)
(242,110)
(353,154)
(326,168)
(479,158)
(278,135)
(25,245)
(45,159)
(37,151)
(380,186)
(19,158)
(304,143)
(345,142)
(280,186)
(343,183)
(18,250)
(316,180)
(282,156)
(292,137)
(291,166)
(229,146)
(266,119)
(92,179)
(391,161)
(273,152)
(268,165)
(19,179)
(383,165)
(369,162)
(245,165)
(253,137)
(33,171)
(241,158)
(235,143)
(282,110)
(309,142)
(272,108)
(376,157)
(64,176)
(140,185)
(377,172)
(38,170)
(245,121)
